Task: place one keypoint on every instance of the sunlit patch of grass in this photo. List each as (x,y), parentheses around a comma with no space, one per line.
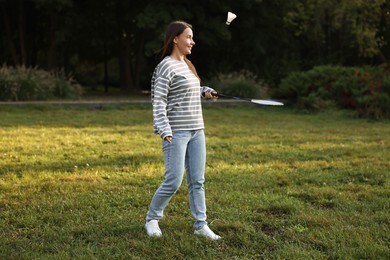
(76,183)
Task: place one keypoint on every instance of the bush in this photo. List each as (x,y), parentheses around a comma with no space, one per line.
(21,83)
(366,90)
(243,84)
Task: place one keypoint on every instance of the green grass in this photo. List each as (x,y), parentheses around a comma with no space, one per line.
(76,184)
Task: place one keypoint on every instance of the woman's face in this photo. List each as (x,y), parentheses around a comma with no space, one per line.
(184,42)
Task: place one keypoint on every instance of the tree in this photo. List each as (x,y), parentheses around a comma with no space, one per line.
(15,27)
(337,31)
(270,38)
(35,31)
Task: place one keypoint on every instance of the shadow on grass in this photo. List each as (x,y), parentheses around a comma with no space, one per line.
(123,163)
(57,116)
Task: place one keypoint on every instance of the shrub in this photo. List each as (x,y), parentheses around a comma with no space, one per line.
(21,83)
(241,84)
(65,87)
(366,90)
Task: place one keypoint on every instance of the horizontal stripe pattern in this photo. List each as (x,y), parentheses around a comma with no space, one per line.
(176,98)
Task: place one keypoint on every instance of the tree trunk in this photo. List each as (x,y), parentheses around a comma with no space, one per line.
(21,25)
(383,57)
(126,80)
(139,62)
(105,65)
(8,36)
(52,52)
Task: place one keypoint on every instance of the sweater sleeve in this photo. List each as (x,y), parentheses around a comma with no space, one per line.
(204,89)
(159,101)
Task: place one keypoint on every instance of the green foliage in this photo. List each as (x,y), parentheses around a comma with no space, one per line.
(242,84)
(279,185)
(320,23)
(291,35)
(365,90)
(21,83)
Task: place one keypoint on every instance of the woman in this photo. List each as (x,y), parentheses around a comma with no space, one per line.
(177,118)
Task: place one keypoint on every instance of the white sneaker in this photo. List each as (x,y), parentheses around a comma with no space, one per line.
(152,228)
(207,232)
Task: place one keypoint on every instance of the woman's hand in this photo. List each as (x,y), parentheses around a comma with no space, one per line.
(211,94)
(168,139)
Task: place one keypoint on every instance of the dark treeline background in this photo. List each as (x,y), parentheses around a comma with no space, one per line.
(115,42)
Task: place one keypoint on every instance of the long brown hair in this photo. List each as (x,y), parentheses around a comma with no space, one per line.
(175,29)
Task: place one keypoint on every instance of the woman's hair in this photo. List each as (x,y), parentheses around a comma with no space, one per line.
(175,29)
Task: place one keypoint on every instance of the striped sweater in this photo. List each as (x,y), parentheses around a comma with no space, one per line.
(176,98)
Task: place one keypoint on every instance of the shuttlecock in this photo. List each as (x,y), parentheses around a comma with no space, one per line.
(230,17)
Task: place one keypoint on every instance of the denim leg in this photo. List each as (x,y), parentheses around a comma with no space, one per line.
(174,157)
(195,167)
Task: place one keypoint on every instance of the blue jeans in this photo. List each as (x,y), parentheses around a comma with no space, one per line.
(187,150)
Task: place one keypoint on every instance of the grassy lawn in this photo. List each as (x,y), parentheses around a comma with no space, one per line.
(76,183)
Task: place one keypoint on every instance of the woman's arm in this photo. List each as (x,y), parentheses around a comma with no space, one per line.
(159,101)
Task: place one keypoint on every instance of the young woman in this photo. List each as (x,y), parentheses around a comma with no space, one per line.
(177,118)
